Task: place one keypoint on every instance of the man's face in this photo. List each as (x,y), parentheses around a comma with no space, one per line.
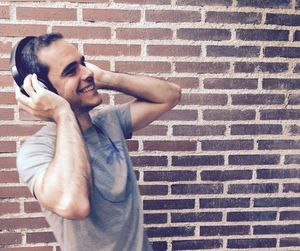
(69,76)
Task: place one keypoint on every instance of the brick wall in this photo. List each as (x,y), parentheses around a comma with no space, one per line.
(220,171)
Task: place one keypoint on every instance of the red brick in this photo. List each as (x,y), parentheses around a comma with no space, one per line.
(5,47)
(170,145)
(6,114)
(187,115)
(7,147)
(203,34)
(143,67)
(32,207)
(9,177)
(112,49)
(157,2)
(111,15)
(204,99)
(4,12)
(233,17)
(29,248)
(121,98)
(173,16)
(20,30)
(174,50)
(82,1)
(44,237)
(144,34)
(152,130)
(9,208)
(14,192)
(4,64)
(18,130)
(83,32)
(10,238)
(46,14)
(23,223)
(202,67)
(6,80)
(7,98)
(132,145)
(185,82)
(229,115)
(105,65)
(7,162)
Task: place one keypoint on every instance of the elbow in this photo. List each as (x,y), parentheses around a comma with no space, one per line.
(75,210)
(177,95)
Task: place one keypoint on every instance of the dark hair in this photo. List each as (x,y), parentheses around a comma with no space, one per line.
(30,62)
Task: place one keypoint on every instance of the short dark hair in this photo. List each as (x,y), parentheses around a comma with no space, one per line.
(29,59)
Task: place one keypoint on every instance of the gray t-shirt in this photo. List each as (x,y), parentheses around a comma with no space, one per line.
(115,222)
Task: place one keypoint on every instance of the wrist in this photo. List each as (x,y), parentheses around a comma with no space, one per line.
(63,114)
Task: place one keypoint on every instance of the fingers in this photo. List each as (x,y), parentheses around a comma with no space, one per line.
(35,83)
(28,85)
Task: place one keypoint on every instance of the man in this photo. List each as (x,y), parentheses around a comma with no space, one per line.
(78,167)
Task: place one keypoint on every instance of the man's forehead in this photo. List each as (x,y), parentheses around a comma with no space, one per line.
(58,54)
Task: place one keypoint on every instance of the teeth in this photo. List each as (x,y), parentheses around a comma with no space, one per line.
(88,88)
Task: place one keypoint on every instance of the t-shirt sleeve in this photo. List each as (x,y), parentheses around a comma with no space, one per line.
(33,159)
(123,112)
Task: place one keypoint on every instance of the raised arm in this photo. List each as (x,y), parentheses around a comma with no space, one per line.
(65,186)
(153,96)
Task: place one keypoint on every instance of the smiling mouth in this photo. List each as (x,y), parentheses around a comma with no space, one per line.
(87,88)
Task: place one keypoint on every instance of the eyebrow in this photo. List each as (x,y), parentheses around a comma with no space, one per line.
(70,66)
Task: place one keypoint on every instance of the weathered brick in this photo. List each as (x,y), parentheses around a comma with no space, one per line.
(174,50)
(294,99)
(152,130)
(232,51)
(156,2)
(173,16)
(18,130)
(251,243)
(292,159)
(145,67)
(291,188)
(4,12)
(214,175)
(203,34)
(23,223)
(284,52)
(7,162)
(297,36)
(265,3)
(112,49)
(281,84)
(257,99)
(197,244)
(204,99)
(184,115)
(6,80)
(46,14)
(294,129)
(159,245)
(111,15)
(224,230)
(225,203)
(278,173)
(282,19)
(8,147)
(198,130)
(170,231)
(10,238)
(170,175)
(253,188)
(144,33)
(198,160)
(132,145)
(197,189)
(277,202)
(228,115)
(196,217)
(40,237)
(9,208)
(262,35)
(278,144)
(149,160)
(255,67)
(6,114)
(153,189)
(205,2)
(32,207)
(230,83)
(155,218)
(83,32)
(202,67)
(289,215)
(5,47)
(36,248)
(170,145)
(185,82)
(279,114)
(251,216)
(233,17)
(255,129)
(289,242)
(254,159)
(9,177)
(277,229)
(225,145)
(168,204)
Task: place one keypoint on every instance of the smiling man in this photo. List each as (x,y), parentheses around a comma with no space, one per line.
(78,167)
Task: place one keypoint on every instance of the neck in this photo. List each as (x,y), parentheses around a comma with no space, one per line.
(84,121)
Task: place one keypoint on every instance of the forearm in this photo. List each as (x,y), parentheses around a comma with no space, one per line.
(142,87)
(66,183)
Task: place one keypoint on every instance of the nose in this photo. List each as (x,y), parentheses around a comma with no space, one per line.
(86,74)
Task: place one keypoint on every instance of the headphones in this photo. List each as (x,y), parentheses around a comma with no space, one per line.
(17,69)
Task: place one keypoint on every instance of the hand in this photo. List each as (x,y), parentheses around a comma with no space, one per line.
(99,75)
(41,102)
